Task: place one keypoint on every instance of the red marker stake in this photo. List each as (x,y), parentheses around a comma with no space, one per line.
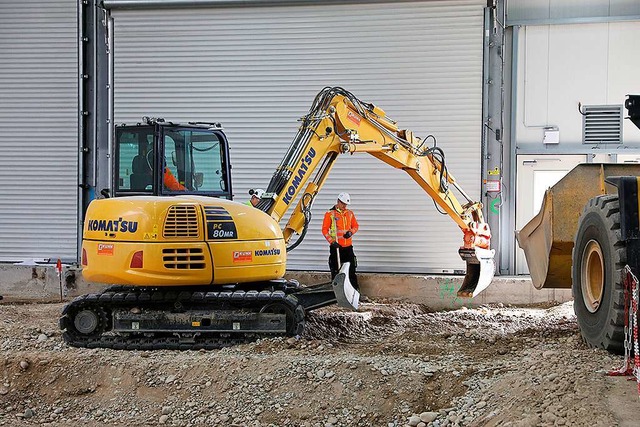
(59,272)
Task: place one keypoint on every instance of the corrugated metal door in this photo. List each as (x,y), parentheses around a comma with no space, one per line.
(257,70)
(38,129)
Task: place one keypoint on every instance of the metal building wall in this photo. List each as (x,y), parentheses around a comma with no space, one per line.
(257,70)
(563,65)
(566,52)
(536,10)
(38,129)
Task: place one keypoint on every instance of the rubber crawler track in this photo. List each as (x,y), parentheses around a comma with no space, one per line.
(120,297)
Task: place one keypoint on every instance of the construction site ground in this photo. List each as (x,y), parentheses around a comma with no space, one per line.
(389,364)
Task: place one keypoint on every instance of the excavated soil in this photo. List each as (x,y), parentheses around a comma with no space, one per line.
(386,365)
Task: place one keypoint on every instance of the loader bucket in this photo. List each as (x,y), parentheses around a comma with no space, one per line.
(480,270)
(547,240)
(346,295)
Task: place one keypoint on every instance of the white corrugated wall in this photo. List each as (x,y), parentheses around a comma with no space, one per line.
(257,70)
(38,129)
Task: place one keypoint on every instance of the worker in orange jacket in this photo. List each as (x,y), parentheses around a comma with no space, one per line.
(170,181)
(338,227)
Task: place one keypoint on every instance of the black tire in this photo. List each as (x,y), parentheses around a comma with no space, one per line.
(599,255)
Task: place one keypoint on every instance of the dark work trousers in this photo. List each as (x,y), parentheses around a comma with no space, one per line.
(346,255)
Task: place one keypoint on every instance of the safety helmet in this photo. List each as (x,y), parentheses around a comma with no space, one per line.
(258,192)
(344,198)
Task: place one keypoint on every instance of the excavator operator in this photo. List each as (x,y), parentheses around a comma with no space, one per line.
(338,227)
(170,181)
(143,172)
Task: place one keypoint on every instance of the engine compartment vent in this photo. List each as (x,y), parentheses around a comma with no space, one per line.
(181,222)
(183,258)
(602,124)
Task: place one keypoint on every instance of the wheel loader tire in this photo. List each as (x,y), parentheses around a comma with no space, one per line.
(599,255)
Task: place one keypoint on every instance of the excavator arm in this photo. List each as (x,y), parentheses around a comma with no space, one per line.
(339,123)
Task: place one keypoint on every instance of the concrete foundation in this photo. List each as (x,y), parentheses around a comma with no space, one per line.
(440,292)
(41,283)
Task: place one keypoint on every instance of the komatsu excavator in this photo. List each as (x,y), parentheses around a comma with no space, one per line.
(192,269)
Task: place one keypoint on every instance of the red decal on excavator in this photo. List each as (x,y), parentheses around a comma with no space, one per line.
(105,248)
(242,256)
(354,117)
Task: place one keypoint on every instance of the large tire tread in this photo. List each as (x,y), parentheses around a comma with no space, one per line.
(600,221)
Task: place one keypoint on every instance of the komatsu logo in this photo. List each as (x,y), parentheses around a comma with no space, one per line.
(300,173)
(113,225)
(267,252)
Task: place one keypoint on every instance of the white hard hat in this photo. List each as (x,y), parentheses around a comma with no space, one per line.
(344,198)
(258,192)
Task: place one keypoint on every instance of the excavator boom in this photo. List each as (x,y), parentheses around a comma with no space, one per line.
(339,123)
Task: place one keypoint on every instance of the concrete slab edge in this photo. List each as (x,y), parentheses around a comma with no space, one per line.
(41,283)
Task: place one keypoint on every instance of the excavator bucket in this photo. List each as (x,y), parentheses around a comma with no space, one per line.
(346,295)
(480,270)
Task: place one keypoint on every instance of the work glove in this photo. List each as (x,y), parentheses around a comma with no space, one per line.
(335,245)
(348,234)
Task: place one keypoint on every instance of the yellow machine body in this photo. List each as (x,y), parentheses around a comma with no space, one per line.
(547,239)
(183,240)
(586,237)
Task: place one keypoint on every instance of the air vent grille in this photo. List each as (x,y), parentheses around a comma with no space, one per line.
(183,258)
(602,124)
(181,222)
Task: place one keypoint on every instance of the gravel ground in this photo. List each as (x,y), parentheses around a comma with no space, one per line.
(387,365)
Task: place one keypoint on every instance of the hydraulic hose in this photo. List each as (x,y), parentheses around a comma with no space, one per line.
(306,210)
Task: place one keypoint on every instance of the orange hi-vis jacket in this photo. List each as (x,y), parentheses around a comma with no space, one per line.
(336,223)
(171,182)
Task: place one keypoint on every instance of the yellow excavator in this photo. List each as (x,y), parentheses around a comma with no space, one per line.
(192,269)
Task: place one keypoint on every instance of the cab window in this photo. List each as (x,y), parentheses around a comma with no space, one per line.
(135,159)
(194,159)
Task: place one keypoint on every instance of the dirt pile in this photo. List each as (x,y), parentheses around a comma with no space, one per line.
(387,365)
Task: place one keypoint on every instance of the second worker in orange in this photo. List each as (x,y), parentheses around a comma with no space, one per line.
(338,227)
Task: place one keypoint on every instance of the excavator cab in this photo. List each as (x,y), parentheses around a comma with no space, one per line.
(163,158)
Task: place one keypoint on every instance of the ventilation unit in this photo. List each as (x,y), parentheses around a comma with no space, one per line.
(181,222)
(602,124)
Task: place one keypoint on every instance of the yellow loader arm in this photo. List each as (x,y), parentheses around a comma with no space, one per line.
(340,123)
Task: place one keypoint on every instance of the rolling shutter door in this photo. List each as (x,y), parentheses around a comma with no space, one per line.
(257,69)
(39,129)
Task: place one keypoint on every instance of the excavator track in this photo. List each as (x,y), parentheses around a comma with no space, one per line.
(129,318)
